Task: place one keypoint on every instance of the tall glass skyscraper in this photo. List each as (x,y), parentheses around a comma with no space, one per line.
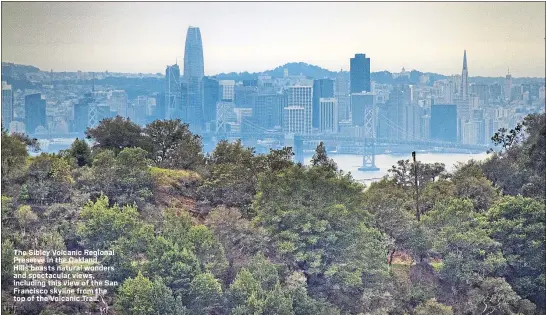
(360,74)
(322,88)
(194,70)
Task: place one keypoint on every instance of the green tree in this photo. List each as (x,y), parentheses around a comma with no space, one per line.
(233,173)
(243,288)
(177,266)
(240,237)
(433,307)
(173,145)
(278,160)
(205,294)
(320,158)
(208,250)
(462,240)
(49,180)
(140,296)
(14,160)
(278,303)
(495,296)
(7,263)
(519,224)
(519,167)
(125,178)
(117,134)
(318,225)
(80,151)
(102,225)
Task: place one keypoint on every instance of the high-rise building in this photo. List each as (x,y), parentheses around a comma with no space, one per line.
(194,65)
(211,96)
(360,74)
(508,87)
(443,122)
(173,92)
(263,110)
(481,91)
(322,88)
(342,95)
(81,114)
(244,95)
(302,96)
(281,101)
(7,105)
(360,103)
(464,80)
(194,70)
(227,90)
(118,102)
(294,121)
(35,112)
(328,114)
(160,106)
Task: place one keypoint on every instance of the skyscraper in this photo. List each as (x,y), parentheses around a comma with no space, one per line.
(211,96)
(7,105)
(360,103)
(194,70)
(172,92)
(302,96)
(360,74)
(328,113)
(508,87)
(322,88)
(443,122)
(35,112)
(464,80)
(342,95)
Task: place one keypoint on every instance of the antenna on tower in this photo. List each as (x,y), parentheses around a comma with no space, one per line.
(508,70)
(177,61)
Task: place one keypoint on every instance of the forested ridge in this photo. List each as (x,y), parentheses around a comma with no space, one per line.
(239,233)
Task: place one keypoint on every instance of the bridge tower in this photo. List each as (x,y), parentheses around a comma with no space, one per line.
(369,135)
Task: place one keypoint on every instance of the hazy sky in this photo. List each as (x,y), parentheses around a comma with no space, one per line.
(146,36)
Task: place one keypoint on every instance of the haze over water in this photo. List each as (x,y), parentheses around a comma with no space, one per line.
(351,163)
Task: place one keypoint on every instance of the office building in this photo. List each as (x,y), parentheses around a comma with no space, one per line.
(244,95)
(211,96)
(328,115)
(301,96)
(361,103)
(160,106)
(443,122)
(172,92)
(263,110)
(360,74)
(508,87)
(322,88)
(281,101)
(294,120)
(227,90)
(35,112)
(118,102)
(7,105)
(194,70)
(80,121)
(463,94)
(342,95)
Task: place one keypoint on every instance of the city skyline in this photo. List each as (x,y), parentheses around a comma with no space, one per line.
(234,47)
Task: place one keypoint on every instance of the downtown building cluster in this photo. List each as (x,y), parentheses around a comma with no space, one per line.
(353,105)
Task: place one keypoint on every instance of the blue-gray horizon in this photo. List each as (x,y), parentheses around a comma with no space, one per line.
(255,37)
